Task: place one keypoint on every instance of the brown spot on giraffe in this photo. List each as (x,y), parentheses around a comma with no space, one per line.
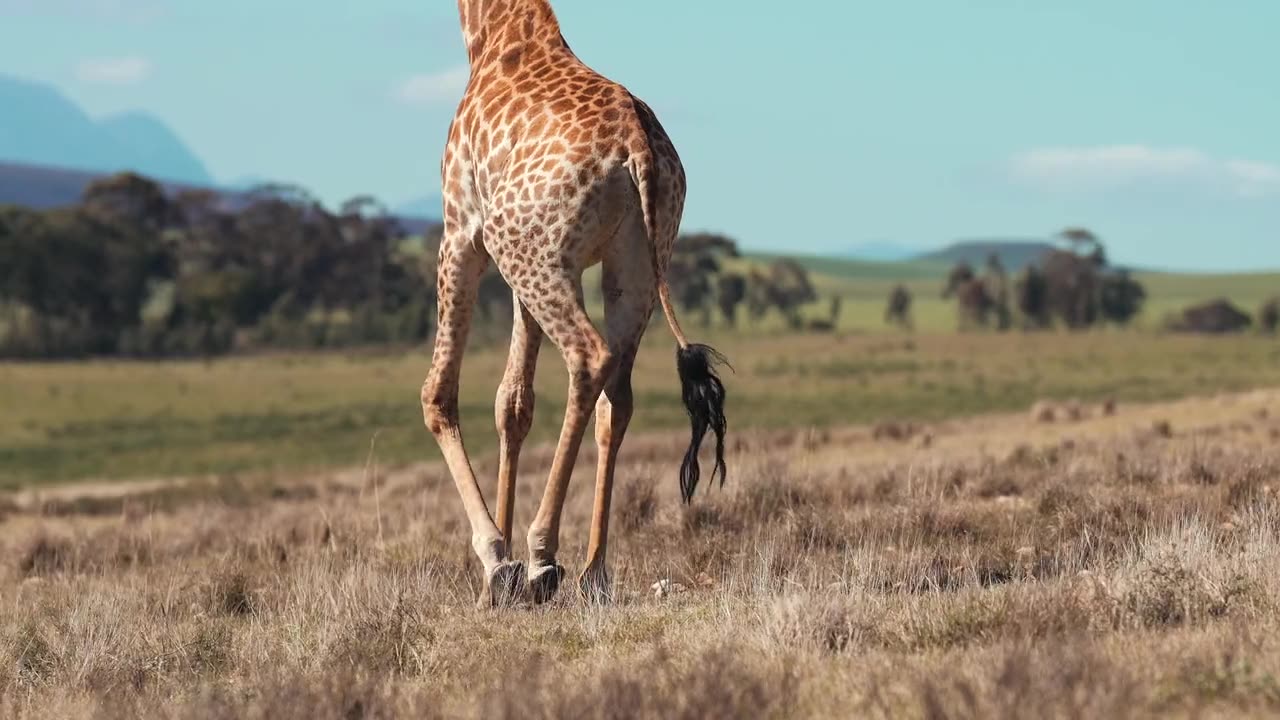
(551,168)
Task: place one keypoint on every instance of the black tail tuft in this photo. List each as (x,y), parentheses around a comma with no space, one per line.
(704,400)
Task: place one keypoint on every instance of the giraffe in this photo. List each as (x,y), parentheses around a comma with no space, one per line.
(549,169)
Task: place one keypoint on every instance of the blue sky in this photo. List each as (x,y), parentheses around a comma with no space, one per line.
(806,125)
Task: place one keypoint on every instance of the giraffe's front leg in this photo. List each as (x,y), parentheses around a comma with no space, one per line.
(459,276)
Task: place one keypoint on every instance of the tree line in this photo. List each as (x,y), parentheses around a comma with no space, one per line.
(132,270)
(1074,287)
(704,282)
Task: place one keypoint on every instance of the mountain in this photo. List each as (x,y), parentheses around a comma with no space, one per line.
(42,187)
(40,126)
(247,183)
(1014,254)
(155,148)
(882,251)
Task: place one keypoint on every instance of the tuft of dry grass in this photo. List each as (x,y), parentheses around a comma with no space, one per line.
(1005,570)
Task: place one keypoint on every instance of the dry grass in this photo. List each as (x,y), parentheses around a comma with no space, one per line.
(1006,568)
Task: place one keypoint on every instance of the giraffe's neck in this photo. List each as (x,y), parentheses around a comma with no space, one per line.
(490,24)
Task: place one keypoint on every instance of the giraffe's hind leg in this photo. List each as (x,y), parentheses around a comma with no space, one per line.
(560,313)
(459,276)
(629,289)
(513,412)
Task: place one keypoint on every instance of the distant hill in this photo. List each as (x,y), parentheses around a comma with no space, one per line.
(42,187)
(882,251)
(40,126)
(844,268)
(1013,254)
(246,183)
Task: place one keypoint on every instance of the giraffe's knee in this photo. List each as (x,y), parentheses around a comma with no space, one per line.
(513,410)
(614,411)
(589,369)
(623,403)
(439,410)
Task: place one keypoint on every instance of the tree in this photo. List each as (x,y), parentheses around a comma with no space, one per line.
(696,263)
(898,307)
(131,201)
(133,270)
(786,288)
(689,276)
(832,321)
(997,284)
(494,296)
(1269,316)
(974,303)
(1032,290)
(1120,297)
(1082,240)
(791,287)
(366,265)
(1077,287)
(1073,288)
(961,273)
(50,265)
(731,292)
(707,244)
(85,279)
(1217,316)
(759,297)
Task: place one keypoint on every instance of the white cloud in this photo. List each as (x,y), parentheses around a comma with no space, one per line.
(1111,167)
(1255,179)
(114,71)
(437,88)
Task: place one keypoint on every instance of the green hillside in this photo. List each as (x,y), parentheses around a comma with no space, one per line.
(1013,254)
(864,286)
(859,269)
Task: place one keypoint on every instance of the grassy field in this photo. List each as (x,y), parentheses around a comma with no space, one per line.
(1171,292)
(901,536)
(107,420)
(1119,564)
(864,286)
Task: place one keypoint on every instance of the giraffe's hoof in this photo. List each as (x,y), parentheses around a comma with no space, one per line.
(595,586)
(544,581)
(503,586)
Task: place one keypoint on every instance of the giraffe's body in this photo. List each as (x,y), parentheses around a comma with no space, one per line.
(549,169)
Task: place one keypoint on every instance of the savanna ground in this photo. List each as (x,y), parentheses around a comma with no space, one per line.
(1106,564)
(900,536)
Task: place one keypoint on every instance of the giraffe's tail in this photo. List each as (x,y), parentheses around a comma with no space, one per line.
(700,386)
